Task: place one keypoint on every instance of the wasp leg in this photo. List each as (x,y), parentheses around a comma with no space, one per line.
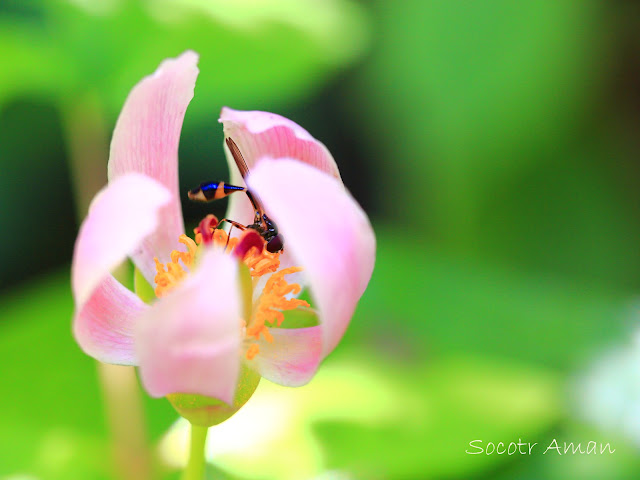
(233,223)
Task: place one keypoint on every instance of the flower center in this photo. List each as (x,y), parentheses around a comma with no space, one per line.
(271,304)
(169,275)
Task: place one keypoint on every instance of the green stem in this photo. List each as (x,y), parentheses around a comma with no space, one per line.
(125,418)
(87,138)
(195,467)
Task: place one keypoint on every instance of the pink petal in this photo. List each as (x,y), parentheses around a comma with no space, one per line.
(326,231)
(145,140)
(119,218)
(103,326)
(292,358)
(189,341)
(263,134)
(267,135)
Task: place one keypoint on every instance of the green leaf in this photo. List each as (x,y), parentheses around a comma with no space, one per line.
(445,405)
(108,49)
(622,464)
(49,386)
(493,143)
(476,84)
(50,397)
(425,299)
(32,63)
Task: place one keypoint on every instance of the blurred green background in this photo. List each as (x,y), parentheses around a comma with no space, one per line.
(494,145)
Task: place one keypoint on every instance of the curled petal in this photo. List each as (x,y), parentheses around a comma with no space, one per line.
(145,140)
(104,325)
(119,218)
(267,135)
(292,358)
(263,134)
(189,341)
(326,232)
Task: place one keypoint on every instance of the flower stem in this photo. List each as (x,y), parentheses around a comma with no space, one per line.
(87,139)
(195,467)
(125,418)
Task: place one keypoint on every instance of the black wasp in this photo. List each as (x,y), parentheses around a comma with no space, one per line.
(209,191)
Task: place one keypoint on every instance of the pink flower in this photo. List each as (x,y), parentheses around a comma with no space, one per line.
(211,320)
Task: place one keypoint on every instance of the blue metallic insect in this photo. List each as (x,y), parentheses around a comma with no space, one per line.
(209,191)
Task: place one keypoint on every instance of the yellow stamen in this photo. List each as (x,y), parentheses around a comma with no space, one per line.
(271,305)
(168,277)
(262,262)
(188,256)
(253,350)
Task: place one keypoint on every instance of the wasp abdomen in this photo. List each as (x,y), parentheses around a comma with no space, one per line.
(209,191)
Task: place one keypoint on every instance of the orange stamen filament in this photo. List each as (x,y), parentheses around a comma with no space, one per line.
(253,350)
(271,305)
(167,277)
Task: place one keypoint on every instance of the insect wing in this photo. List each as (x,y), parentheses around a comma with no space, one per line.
(237,157)
(244,170)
